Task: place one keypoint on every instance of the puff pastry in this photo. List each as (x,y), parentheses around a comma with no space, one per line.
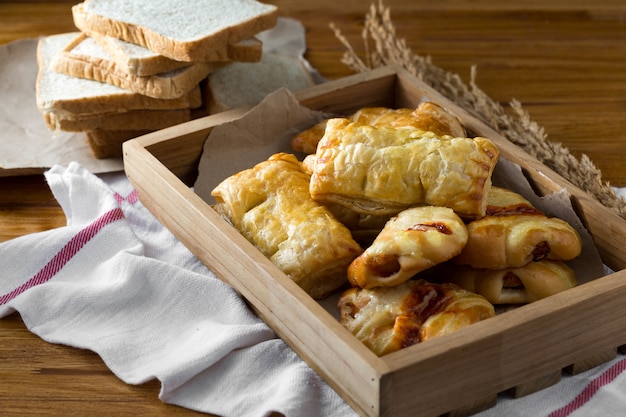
(427,116)
(514,233)
(413,241)
(383,171)
(387,319)
(526,284)
(270,205)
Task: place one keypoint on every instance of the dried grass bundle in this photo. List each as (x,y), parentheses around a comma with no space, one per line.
(515,125)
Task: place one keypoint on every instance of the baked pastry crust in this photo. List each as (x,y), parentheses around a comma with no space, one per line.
(427,116)
(270,205)
(383,171)
(526,284)
(387,319)
(413,241)
(514,233)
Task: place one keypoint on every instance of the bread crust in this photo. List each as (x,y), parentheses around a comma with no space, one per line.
(137,60)
(131,120)
(91,98)
(84,58)
(213,46)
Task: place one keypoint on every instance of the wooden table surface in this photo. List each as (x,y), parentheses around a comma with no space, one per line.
(564,60)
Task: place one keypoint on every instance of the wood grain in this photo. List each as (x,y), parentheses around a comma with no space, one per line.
(563,60)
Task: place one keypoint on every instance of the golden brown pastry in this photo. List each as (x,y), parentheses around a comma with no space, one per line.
(383,171)
(514,233)
(427,116)
(270,205)
(526,284)
(387,319)
(413,241)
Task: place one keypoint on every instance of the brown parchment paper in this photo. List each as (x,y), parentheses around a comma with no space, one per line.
(26,144)
(268,128)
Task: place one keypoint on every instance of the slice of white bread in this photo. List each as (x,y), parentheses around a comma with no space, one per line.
(130,120)
(63,95)
(244,84)
(84,58)
(202,30)
(138,60)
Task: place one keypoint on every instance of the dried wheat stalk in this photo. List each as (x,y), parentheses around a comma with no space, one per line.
(517,125)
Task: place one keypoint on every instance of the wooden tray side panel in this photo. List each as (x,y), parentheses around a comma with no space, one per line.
(510,349)
(345,96)
(348,366)
(180,147)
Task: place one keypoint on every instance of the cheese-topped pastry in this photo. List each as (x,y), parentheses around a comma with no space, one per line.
(271,206)
(514,233)
(427,116)
(414,240)
(525,284)
(387,319)
(385,170)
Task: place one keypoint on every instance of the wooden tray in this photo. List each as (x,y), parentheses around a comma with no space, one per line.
(517,352)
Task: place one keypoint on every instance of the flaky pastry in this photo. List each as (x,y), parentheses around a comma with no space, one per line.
(514,233)
(270,205)
(387,319)
(427,116)
(522,285)
(414,240)
(383,171)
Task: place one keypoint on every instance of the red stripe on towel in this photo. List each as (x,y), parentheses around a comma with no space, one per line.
(590,390)
(71,248)
(132,198)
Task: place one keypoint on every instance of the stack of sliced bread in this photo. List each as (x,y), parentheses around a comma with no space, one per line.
(136,66)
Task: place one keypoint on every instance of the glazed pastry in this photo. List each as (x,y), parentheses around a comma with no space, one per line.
(427,116)
(383,171)
(514,233)
(270,205)
(387,319)
(413,241)
(526,284)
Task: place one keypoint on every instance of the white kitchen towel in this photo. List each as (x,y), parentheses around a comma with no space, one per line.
(115,281)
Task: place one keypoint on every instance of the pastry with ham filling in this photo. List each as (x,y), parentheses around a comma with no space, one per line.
(413,241)
(514,233)
(387,319)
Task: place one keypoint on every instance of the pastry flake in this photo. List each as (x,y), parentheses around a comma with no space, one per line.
(270,205)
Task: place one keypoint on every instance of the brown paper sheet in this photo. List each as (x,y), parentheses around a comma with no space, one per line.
(26,144)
